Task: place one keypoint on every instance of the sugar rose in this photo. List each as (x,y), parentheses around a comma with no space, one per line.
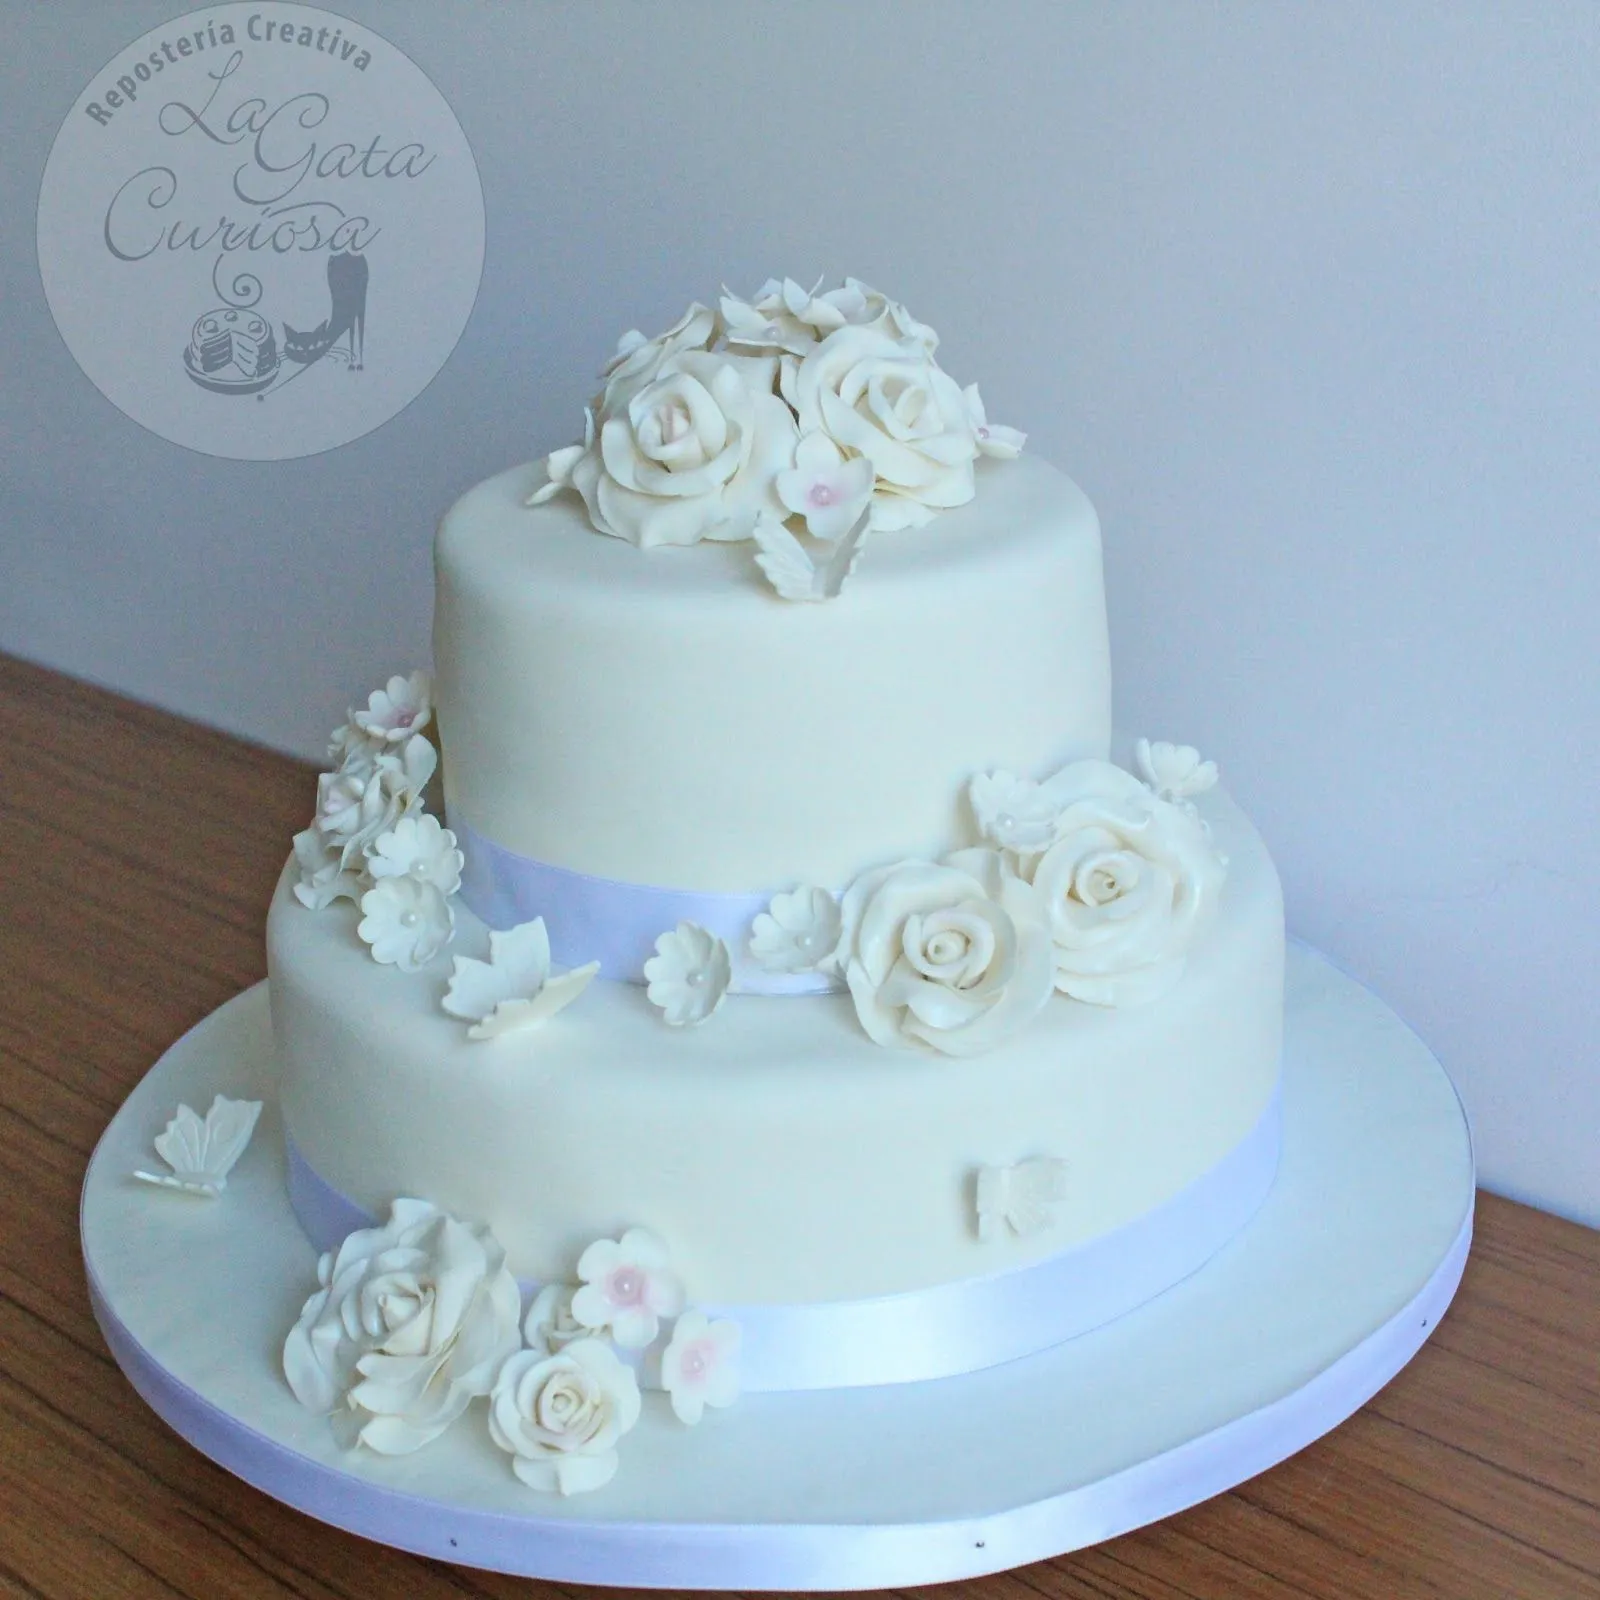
(884,398)
(953,955)
(692,455)
(1126,886)
(411,1322)
(560,1416)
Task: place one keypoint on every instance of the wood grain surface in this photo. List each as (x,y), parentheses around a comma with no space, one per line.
(137,855)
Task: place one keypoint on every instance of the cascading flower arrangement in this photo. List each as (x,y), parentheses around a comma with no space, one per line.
(794,411)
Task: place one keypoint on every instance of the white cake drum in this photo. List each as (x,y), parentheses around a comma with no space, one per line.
(1342,1274)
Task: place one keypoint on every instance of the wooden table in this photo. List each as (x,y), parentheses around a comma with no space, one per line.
(137,855)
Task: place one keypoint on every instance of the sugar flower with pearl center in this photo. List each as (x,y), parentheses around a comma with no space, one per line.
(688,975)
(406,920)
(418,848)
(700,1366)
(824,488)
(1014,813)
(798,932)
(628,1287)
(401,708)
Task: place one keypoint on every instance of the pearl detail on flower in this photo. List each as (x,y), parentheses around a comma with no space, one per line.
(408,919)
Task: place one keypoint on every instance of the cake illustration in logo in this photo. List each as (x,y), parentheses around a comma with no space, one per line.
(232,351)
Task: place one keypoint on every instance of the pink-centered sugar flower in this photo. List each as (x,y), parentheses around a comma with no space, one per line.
(824,488)
(628,1287)
(700,1366)
(404,706)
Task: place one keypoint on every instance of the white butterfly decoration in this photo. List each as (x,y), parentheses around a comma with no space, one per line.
(790,569)
(514,988)
(1021,1197)
(202,1152)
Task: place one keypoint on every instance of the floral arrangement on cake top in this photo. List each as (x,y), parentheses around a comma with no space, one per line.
(793,411)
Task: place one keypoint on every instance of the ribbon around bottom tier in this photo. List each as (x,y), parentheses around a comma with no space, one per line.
(952,1328)
(611,921)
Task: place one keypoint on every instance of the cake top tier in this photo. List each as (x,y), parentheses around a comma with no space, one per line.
(670,721)
(790,415)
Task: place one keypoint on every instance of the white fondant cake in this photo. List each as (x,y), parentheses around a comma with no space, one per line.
(910,1003)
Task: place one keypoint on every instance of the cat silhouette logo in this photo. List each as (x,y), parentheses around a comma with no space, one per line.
(227,199)
(232,349)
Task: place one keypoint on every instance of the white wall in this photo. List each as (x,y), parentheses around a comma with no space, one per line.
(1308,298)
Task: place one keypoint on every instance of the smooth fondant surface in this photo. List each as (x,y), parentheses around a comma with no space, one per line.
(662,717)
(785,1156)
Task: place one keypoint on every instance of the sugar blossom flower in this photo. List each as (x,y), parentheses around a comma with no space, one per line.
(824,488)
(700,1366)
(404,706)
(418,848)
(407,922)
(798,932)
(628,1286)
(688,975)
(1174,771)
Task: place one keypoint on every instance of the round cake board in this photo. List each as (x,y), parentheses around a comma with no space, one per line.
(1288,1330)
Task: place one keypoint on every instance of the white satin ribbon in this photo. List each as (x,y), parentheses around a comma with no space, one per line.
(952,1328)
(611,921)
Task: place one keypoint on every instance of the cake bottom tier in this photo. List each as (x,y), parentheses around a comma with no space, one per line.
(786,1159)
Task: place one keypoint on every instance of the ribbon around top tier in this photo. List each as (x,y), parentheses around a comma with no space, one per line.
(951,1328)
(610,921)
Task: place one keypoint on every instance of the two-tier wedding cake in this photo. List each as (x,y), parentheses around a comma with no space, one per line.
(778,986)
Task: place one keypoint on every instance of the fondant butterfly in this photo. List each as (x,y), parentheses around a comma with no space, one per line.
(790,569)
(201,1153)
(1020,1197)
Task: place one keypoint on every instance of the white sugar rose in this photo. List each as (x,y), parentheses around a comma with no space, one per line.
(884,398)
(639,359)
(369,794)
(550,1326)
(560,1415)
(784,316)
(322,877)
(1129,882)
(693,455)
(411,1322)
(953,955)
